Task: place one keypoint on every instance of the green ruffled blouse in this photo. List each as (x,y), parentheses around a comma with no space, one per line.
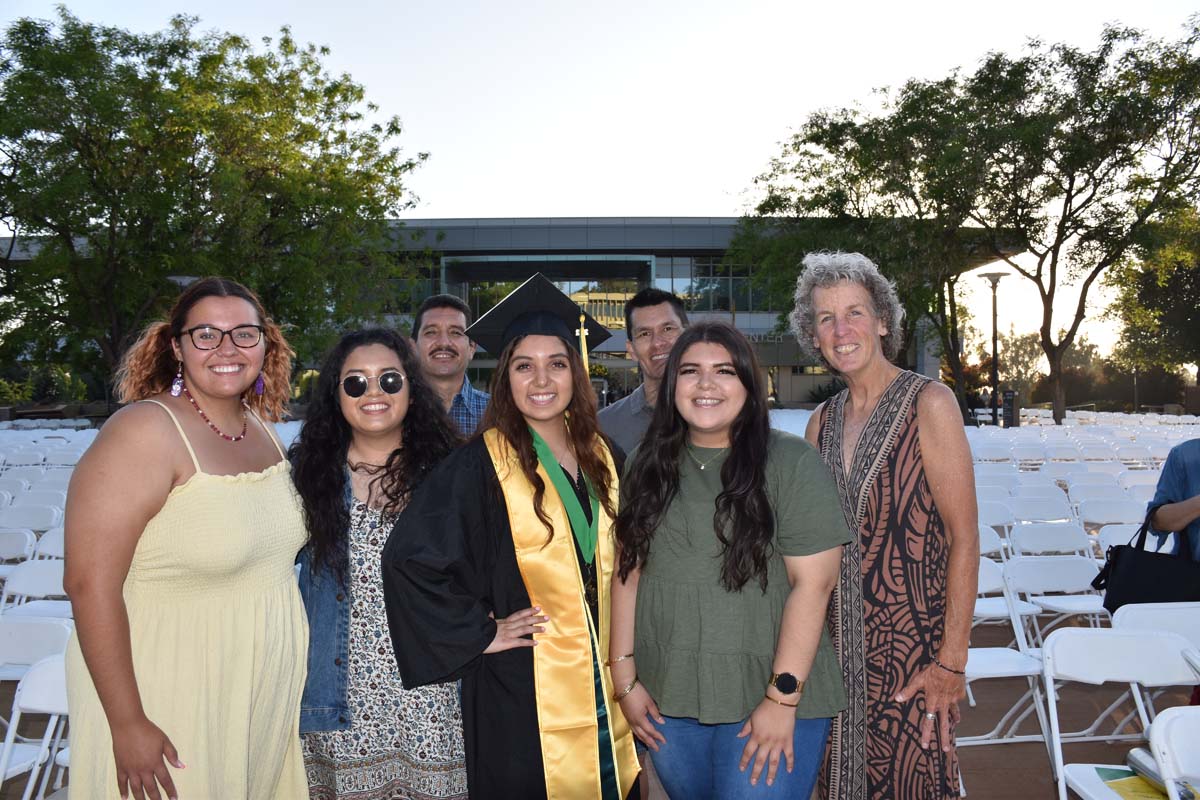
(704,652)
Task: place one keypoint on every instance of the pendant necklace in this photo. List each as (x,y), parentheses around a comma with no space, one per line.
(215,429)
(703,464)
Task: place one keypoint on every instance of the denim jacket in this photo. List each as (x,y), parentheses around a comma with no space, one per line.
(324,705)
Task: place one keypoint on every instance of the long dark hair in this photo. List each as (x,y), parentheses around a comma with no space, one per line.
(743,520)
(582,429)
(318,455)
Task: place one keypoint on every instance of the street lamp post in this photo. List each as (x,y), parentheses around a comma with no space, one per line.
(994,278)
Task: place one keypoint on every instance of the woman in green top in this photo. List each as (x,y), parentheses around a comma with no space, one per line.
(729,536)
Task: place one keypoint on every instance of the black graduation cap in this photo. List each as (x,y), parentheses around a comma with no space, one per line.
(536,307)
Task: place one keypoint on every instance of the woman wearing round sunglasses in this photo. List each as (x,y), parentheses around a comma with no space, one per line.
(373,431)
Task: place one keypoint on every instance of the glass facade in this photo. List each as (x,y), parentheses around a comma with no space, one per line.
(706,283)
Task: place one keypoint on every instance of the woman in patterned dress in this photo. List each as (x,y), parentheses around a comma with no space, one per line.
(374,430)
(901,614)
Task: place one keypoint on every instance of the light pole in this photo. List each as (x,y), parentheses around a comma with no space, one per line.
(994,278)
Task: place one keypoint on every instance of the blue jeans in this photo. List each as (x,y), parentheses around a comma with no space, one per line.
(700,762)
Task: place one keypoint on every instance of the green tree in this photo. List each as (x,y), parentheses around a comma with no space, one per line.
(889,185)
(1065,153)
(1078,152)
(1020,363)
(127,159)
(1158,302)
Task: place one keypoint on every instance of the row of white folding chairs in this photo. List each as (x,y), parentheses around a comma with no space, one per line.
(22,544)
(32,473)
(1062,470)
(1092,514)
(1176,624)
(1032,454)
(1143,659)
(1139,493)
(67,457)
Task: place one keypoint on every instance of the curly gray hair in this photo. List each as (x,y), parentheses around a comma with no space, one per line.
(823,269)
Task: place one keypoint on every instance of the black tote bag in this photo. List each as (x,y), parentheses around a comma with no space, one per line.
(1133,574)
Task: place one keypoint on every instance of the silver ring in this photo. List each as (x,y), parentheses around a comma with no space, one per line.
(930,715)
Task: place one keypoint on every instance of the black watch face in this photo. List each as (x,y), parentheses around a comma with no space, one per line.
(786,682)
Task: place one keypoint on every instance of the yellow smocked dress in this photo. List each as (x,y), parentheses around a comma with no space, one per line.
(219,637)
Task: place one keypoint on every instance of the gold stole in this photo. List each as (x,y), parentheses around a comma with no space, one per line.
(562,662)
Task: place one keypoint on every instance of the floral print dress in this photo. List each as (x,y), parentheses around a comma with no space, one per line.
(403,744)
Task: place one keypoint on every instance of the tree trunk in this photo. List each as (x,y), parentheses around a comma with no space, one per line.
(1057,390)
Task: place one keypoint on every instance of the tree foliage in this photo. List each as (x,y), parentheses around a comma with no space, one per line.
(1069,153)
(1158,303)
(128,158)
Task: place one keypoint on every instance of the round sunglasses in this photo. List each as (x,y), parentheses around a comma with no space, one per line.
(390,382)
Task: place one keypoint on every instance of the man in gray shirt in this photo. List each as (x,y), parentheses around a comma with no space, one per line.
(653,321)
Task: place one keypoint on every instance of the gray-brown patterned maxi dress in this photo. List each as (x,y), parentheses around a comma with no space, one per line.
(888,610)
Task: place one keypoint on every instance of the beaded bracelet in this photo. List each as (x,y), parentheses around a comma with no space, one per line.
(621,695)
(948,669)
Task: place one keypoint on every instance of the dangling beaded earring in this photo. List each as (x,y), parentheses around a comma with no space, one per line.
(259,385)
(177,384)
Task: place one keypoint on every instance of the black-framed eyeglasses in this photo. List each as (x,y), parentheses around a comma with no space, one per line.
(207,337)
(390,382)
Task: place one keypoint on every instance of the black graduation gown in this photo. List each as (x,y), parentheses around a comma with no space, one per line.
(448,562)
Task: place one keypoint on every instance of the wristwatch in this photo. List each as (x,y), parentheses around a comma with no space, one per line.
(786,682)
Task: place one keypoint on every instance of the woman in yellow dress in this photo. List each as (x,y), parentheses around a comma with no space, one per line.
(182,528)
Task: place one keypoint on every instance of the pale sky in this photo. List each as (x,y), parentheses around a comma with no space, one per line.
(554,108)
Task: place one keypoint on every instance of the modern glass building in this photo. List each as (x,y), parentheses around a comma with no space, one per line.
(601,263)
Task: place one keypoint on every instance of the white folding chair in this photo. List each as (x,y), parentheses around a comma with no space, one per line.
(1029,455)
(35,518)
(29,587)
(1175,743)
(1063,452)
(990,543)
(66,457)
(1042,509)
(1180,618)
(13,486)
(53,544)
(43,690)
(1135,455)
(1093,491)
(1113,468)
(56,479)
(1034,578)
(1009,479)
(1141,494)
(1092,479)
(1097,452)
(996,515)
(1095,514)
(42,497)
(24,641)
(29,474)
(991,453)
(1036,491)
(990,608)
(984,663)
(1061,470)
(1142,477)
(1150,659)
(991,493)
(15,545)
(1045,538)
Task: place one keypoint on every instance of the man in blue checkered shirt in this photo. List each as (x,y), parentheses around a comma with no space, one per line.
(444,350)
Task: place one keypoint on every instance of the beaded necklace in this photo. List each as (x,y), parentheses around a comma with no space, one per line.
(215,429)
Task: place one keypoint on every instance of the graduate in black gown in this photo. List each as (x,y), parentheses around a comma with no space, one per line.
(497,573)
